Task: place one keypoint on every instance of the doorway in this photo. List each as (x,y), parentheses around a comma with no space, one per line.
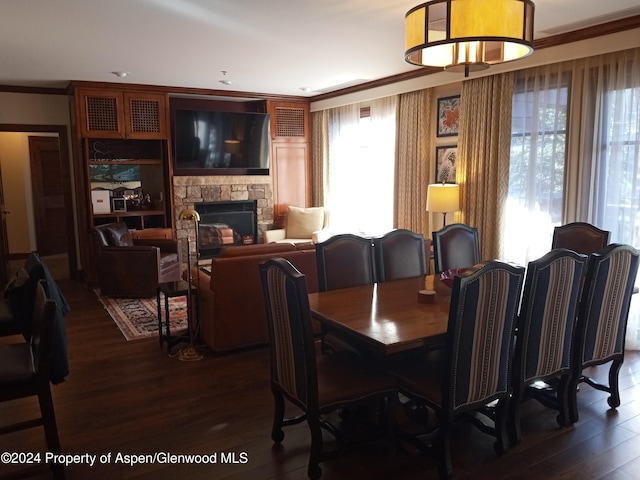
(49,209)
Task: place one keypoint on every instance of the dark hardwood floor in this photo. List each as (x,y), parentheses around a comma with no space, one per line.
(131,398)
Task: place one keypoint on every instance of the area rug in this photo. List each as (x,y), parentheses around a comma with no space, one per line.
(137,318)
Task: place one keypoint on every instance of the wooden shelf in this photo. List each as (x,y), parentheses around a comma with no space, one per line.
(132,213)
(144,161)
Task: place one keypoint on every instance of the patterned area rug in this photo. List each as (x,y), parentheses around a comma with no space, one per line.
(137,318)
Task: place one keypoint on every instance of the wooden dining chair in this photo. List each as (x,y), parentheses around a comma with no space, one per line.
(399,254)
(25,371)
(472,374)
(545,330)
(344,260)
(320,384)
(455,246)
(581,237)
(602,319)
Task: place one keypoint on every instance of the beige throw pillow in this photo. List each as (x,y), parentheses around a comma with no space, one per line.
(302,222)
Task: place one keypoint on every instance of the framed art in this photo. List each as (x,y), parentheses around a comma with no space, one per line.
(119,204)
(446,157)
(448,116)
(100,201)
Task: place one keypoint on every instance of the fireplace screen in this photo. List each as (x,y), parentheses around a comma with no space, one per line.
(225,223)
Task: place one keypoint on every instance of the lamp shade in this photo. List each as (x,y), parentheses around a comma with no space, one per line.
(468,35)
(443,197)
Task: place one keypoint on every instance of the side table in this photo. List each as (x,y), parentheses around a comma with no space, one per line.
(174,289)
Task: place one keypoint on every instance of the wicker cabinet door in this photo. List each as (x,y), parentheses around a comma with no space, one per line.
(101,114)
(116,114)
(145,116)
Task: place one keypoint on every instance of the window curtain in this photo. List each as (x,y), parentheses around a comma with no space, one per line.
(319,157)
(359,185)
(413,146)
(608,159)
(483,151)
(537,164)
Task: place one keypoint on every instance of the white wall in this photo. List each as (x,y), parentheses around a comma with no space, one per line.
(34,109)
(18,198)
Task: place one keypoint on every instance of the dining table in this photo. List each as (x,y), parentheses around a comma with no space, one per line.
(386,317)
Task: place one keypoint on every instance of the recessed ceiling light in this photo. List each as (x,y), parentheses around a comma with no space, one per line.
(120,74)
(224,80)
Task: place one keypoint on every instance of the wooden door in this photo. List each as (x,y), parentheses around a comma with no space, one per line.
(4,242)
(48,196)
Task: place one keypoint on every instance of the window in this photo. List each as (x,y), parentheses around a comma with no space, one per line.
(537,165)
(361,168)
(618,202)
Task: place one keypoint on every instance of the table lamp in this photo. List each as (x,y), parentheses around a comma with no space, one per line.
(443,197)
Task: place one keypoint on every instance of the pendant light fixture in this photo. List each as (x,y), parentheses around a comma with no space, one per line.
(468,35)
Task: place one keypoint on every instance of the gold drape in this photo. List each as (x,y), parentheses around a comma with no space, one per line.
(483,152)
(413,128)
(319,156)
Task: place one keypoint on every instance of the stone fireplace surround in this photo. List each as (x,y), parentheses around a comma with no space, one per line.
(189,190)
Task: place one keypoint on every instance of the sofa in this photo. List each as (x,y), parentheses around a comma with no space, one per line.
(231,308)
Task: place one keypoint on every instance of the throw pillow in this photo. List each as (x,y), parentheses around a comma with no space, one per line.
(302,222)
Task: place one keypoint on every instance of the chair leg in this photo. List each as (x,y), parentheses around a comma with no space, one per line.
(572,397)
(515,430)
(500,420)
(50,428)
(562,394)
(445,466)
(614,371)
(49,419)
(314,472)
(277,434)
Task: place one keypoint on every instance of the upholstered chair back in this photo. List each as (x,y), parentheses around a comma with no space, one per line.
(399,254)
(548,314)
(455,246)
(602,320)
(344,261)
(545,333)
(484,305)
(604,308)
(581,237)
(293,361)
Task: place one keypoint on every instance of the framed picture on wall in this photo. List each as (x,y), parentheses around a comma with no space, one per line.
(448,116)
(446,157)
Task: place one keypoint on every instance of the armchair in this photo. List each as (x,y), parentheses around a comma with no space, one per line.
(130,267)
(302,225)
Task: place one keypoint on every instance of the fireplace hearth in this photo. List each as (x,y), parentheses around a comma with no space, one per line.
(225,223)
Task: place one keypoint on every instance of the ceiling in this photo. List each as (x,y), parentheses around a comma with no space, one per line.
(267,46)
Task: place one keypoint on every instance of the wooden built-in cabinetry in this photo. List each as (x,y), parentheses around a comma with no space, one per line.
(122,133)
(133,172)
(290,159)
(117,114)
(121,146)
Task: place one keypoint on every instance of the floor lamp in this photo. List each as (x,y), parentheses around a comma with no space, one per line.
(443,197)
(190,353)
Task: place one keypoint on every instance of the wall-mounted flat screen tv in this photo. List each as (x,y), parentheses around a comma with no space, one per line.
(220,143)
